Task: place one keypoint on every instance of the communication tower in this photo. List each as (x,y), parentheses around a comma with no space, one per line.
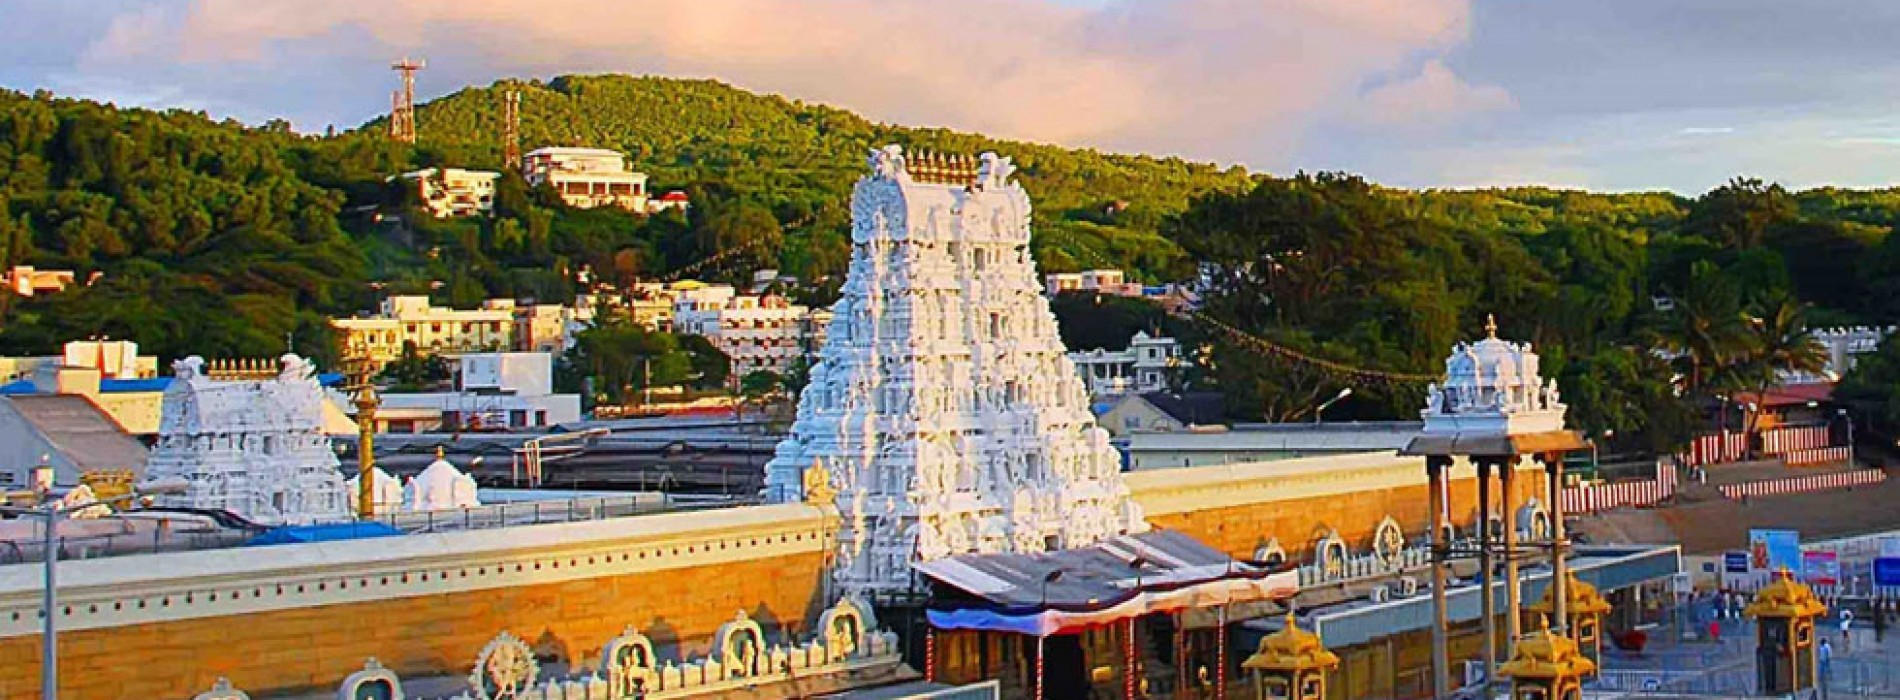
(402,114)
(511,129)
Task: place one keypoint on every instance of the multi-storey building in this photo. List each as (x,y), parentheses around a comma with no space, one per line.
(26,281)
(412,319)
(450,192)
(1144,367)
(1103,281)
(587,177)
(758,332)
(551,328)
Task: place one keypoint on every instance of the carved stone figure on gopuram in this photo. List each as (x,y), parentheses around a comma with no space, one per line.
(942,406)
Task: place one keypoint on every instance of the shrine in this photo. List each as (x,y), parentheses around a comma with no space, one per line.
(1785,656)
(251,446)
(1493,409)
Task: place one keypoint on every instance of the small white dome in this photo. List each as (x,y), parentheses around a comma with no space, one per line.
(440,486)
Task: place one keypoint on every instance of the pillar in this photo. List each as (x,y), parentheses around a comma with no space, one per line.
(1559,570)
(1485,578)
(1435,468)
(1513,623)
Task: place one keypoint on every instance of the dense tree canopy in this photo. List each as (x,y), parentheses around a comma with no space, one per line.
(222,239)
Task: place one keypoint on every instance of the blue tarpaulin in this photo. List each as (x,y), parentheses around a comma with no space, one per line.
(323,533)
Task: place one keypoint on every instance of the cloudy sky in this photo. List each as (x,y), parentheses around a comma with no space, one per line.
(1607,94)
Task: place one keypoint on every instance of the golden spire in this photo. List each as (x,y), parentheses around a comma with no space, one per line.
(438,452)
(1491,326)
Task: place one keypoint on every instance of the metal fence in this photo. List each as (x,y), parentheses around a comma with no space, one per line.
(161,540)
(544,512)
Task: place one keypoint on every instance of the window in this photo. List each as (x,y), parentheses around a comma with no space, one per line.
(435,328)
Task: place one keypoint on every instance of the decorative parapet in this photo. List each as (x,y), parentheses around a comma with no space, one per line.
(741,658)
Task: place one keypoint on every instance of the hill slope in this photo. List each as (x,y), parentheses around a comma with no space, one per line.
(799,160)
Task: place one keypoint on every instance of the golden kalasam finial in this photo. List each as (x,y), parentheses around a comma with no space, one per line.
(1491,325)
(439,452)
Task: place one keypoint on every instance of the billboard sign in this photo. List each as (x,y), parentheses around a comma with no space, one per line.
(1821,568)
(1774,550)
(1887,571)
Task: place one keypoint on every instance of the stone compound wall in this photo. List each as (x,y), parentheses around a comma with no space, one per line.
(306,616)
(1238,508)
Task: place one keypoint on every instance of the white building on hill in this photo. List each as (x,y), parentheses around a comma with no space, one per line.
(450,192)
(1146,366)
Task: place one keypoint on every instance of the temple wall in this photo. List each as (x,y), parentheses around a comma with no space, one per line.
(305,616)
(1237,508)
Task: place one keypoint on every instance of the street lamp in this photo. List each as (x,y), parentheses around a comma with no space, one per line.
(1343,393)
(1850,435)
(49,598)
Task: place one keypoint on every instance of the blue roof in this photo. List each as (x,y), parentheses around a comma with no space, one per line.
(110,386)
(23,386)
(324,533)
(330,378)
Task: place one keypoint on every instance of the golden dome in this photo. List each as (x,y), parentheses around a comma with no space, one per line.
(1291,649)
(1583,599)
(1785,597)
(1544,655)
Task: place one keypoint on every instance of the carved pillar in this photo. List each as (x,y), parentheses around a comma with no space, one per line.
(1485,577)
(1513,624)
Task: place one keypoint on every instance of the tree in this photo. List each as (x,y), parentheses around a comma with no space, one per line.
(1739,214)
(1781,346)
(1706,329)
(413,371)
(1872,388)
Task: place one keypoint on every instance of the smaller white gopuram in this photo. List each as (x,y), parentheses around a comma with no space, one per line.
(252,447)
(1492,387)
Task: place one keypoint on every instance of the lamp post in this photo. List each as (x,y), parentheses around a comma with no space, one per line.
(1343,393)
(1047,579)
(49,596)
(1850,435)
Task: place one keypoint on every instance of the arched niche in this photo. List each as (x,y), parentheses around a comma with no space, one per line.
(739,646)
(628,664)
(843,628)
(374,682)
(222,690)
(1330,554)
(1533,520)
(1271,553)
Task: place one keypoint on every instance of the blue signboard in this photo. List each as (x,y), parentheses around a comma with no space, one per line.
(1774,550)
(1735,562)
(1887,571)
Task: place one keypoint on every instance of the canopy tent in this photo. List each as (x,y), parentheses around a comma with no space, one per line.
(1119,578)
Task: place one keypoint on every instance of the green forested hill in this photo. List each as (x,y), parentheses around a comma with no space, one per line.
(799,160)
(220,238)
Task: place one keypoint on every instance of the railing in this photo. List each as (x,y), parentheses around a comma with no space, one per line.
(1804,484)
(496,515)
(544,512)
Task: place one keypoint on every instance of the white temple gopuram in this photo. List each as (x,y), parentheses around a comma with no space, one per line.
(942,407)
(253,447)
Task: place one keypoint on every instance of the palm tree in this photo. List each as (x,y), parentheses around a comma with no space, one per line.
(1707,330)
(1782,346)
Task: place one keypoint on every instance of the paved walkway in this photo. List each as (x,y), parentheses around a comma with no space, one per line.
(1681,659)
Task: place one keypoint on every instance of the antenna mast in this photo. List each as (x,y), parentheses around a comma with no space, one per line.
(402,115)
(511,129)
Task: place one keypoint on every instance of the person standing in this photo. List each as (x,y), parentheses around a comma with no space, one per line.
(1847,627)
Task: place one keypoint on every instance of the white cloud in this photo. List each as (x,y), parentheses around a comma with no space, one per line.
(1435,96)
